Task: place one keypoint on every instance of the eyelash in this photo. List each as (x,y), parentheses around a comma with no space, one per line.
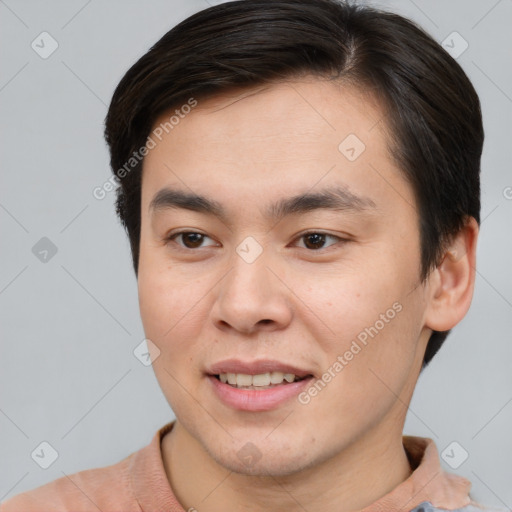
(172,236)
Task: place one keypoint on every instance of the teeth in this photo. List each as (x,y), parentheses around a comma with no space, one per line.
(259,380)
(276,377)
(243,380)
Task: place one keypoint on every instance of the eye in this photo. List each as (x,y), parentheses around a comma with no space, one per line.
(190,239)
(315,240)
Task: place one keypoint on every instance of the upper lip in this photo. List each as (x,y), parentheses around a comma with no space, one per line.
(255,367)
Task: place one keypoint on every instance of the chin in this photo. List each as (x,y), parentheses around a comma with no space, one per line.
(269,460)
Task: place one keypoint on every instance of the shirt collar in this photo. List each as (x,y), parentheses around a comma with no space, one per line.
(427,483)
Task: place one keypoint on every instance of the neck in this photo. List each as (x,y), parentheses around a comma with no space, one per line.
(349,481)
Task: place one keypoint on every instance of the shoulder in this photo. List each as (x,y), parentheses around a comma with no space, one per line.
(139,479)
(107,488)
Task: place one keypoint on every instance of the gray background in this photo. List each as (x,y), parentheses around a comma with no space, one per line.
(68,374)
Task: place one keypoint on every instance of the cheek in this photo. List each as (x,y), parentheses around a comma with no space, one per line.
(170,311)
(168,304)
(387,347)
(174,307)
(346,303)
(371,315)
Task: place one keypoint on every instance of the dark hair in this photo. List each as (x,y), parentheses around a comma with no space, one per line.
(432,111)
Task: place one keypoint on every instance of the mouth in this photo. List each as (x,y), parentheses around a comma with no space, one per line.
(257,386)
(260,381)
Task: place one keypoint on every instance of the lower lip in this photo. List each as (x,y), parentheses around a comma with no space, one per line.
(254,399)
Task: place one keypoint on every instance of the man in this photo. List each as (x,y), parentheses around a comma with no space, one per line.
(299,180)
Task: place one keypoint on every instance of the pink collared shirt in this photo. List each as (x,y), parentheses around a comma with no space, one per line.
(139,483)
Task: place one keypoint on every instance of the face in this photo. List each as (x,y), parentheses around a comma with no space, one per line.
(254,279)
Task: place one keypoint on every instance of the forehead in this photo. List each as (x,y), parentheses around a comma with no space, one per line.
(311,109)
(290,135)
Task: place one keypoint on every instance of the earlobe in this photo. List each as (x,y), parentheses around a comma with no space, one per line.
(452,282)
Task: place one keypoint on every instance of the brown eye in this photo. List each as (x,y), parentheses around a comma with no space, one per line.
(315,240)
(189,239)
(192,240)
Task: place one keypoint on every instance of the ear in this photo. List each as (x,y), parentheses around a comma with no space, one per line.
(451,284)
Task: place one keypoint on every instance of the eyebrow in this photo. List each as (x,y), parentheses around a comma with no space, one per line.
(333,198)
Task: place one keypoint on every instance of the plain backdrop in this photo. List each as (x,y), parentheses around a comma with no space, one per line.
(69,316)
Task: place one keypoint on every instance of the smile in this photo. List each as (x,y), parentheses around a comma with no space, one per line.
(257,398)
(261,381)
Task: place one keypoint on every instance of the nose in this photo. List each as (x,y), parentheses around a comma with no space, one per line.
(252,297)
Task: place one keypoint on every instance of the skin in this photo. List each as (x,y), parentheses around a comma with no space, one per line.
(343,450)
